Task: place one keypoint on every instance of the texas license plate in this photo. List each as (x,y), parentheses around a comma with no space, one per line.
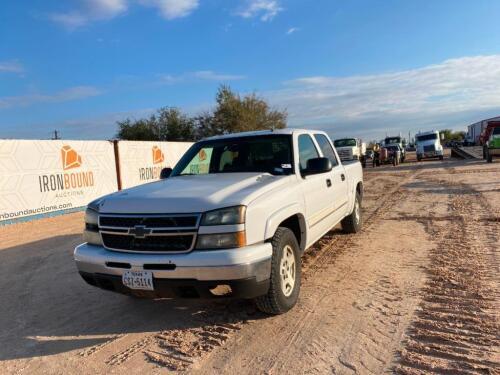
(142,280)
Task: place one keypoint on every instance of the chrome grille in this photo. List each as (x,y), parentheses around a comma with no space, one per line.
(149,233)
(345,154)
(430,148)
(150,222)
(175,243)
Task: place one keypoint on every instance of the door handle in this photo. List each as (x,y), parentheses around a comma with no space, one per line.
(328,182)
(342,177)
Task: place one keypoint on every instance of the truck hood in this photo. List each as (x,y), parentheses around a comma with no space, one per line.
(189,194)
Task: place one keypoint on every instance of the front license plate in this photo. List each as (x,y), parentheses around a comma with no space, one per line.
(142,280)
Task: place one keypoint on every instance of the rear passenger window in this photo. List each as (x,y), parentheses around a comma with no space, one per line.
(307,150)
(326,148)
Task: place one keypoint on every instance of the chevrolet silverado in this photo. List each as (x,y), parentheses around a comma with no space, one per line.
(232,218)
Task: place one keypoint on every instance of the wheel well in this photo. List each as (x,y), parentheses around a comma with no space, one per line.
(297,225)
(359,190)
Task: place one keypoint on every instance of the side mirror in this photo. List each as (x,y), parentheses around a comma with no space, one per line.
(165,173)
(441,136)
(317,165)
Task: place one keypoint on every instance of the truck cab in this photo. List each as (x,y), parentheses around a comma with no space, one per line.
(398,140)
(428,145)
(490,139)
(351,149)
(232,219)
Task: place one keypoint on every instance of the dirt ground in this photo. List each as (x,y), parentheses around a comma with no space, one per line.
(417,291)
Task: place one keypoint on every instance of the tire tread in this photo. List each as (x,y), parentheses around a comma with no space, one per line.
(269,302)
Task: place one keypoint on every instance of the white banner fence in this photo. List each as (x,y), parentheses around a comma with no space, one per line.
(41,178)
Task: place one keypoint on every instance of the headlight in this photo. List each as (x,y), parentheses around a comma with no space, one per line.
(225,216)
(91,219)
(91,231)
(221,240)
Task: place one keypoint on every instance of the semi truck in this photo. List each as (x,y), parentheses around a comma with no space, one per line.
(398,140)
(351,149)
(232,219)
(429,145)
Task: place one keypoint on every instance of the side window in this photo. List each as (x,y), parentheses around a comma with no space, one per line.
(200,163)
(326,148)
(307,150)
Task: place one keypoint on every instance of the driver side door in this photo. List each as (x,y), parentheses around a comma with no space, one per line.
(316,191)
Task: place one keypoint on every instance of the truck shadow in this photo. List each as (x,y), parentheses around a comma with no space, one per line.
(46,308)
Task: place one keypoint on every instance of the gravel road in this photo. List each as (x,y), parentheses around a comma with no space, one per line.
(417,291)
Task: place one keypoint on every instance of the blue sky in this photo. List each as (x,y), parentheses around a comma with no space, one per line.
(350,67)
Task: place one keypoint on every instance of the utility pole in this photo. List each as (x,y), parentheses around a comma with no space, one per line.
(56,135)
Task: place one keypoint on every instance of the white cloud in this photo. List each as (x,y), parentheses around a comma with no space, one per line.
(201,75)
(212,76)
(12,66)
(101,10)
(89,11)
(409,99)
(70,94)
(292,30)
(266,10)
(171,9)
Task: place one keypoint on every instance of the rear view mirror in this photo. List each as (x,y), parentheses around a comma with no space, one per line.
(317,165)
(165,173)
(441,136)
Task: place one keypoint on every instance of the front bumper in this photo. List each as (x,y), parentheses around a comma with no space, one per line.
(494,151)
(245,271)
(430,154)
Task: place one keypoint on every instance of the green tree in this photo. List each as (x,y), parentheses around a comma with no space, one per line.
(450,135)
(175,125)
(168,124)
(236,114)
(137,130)
(232,114)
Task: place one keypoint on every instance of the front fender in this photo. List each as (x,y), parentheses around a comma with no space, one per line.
(275,219)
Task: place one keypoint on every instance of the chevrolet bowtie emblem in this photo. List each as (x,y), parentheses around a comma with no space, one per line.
(139,231)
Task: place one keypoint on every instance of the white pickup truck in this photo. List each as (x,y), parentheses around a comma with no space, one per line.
(232,219)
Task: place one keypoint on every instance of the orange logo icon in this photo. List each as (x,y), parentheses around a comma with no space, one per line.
(157,155)
(70,158)
(202,155)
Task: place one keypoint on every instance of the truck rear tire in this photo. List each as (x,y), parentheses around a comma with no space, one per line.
(286,274)
(353,222)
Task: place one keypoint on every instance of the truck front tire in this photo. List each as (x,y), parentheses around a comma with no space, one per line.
(285,280)
(353,222)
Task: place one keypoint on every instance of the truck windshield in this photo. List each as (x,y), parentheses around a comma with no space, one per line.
(389,140)
(345,142)
(268,153)
(427,137)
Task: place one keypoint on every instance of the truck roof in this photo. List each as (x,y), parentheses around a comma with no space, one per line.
(427,132)
(286,131)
